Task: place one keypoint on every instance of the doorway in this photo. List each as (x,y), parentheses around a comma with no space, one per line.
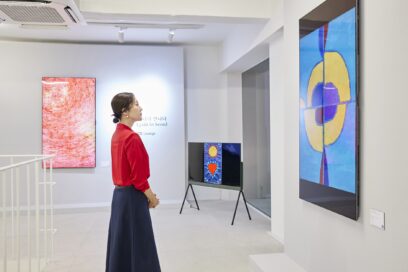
(256,136)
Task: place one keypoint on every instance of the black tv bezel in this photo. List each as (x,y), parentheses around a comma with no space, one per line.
(335,200)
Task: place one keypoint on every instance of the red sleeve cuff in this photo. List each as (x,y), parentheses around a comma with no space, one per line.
(142,187)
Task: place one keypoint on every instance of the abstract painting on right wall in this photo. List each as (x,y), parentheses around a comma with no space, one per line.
(328,107)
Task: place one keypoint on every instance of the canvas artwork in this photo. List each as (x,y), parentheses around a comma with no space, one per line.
(329,108)
(213,163)
(68,121)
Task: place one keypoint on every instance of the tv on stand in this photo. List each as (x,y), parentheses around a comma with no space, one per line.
(216,165)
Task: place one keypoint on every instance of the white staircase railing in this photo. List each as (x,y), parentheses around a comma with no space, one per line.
(27,212)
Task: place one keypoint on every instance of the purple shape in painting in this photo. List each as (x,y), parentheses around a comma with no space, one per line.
(331,95)
(329,113)
(317,95)
(330,100)
(328,96)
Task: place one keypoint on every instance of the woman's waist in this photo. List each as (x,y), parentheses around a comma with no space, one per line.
(123,186)
(122,182)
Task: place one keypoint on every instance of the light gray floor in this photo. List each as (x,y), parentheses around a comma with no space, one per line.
(195,241)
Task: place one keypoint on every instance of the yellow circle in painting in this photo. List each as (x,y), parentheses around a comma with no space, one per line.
(336,72)
(314,131)
(212,151)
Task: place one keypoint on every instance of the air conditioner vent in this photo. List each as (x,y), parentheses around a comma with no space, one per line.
(32,14)
(35,12)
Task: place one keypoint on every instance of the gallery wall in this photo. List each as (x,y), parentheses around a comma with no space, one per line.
(209,97)
(320,240)
(277,154)
(154,73)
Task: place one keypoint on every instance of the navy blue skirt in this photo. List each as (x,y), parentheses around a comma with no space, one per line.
(131,245)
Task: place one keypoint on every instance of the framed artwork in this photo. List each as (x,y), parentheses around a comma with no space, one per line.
(213,163)
(328,114)
(68,121)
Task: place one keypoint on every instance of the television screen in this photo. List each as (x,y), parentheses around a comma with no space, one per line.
(231,164)
(195,161)
(215,163)
(328,147)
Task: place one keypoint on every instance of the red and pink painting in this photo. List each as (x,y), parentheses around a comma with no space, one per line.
(68,121)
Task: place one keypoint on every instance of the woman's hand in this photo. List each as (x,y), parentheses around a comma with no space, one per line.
(151,197)
(154,202)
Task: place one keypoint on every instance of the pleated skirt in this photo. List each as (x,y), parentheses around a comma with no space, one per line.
(131,244)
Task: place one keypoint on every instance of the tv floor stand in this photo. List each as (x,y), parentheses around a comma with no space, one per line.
(191,183)
(185,196)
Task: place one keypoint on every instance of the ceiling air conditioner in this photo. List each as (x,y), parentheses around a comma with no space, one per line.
(40,13)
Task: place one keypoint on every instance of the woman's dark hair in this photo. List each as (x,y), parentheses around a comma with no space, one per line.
(120,103)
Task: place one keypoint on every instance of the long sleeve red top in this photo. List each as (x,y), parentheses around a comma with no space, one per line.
(130,161)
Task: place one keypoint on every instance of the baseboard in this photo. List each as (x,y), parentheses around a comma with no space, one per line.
(166,202)
(82,205)
(276,237)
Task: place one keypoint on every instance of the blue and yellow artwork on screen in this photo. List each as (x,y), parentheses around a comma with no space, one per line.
(328,102)
(213,163)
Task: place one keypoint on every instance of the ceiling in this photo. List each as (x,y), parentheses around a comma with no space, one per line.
(210,33)
(137,29)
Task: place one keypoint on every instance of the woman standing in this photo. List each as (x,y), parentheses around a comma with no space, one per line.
(131,245)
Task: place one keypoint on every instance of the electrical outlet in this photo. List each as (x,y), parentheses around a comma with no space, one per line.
(377,219)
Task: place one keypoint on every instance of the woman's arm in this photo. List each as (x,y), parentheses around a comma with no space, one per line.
(138,162)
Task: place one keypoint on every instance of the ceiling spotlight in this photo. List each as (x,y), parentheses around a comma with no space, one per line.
(121,34)
(171,35)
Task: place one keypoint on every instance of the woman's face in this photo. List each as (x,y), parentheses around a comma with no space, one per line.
(135,111)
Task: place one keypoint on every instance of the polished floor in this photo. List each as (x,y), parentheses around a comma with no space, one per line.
(195,241)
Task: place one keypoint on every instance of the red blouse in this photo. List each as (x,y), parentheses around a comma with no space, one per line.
(130,161)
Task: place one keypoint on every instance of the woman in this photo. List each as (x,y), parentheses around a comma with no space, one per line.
(131,245)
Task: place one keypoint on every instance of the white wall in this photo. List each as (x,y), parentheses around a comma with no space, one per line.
(206,102)
(206,99)
(248,46)
(233,86)
(116,68)
(318,239)
(276,62)
(238,43)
